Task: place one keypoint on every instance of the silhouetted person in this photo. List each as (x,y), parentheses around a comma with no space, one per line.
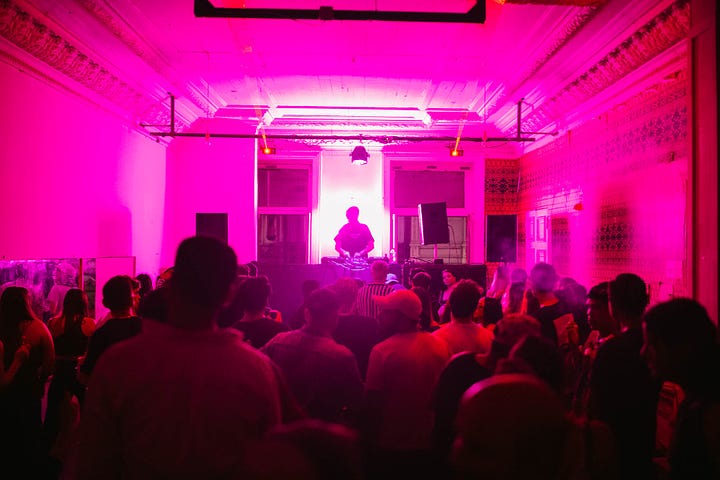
(354,238)
(256,326)
(180,400)
(622,392)
(681,347)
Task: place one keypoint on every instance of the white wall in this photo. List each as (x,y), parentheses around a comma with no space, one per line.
(75,181)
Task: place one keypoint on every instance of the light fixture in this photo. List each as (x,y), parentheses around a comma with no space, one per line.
(359,156)
(456,152)
(268,150)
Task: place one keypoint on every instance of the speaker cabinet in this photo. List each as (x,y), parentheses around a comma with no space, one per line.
(212,225)
(501,238)
(433,223)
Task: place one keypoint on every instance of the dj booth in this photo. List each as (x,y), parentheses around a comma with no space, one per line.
(286,280)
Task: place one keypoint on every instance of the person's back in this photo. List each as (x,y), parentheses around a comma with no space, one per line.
(461,333)
(179,400)
(322,374)
(256,326)
(364,303)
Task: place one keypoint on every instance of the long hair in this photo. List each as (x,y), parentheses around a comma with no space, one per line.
(75,308)
(14,309)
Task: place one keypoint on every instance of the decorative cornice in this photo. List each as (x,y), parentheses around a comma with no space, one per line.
(35,37)
(659,34)
(104,13)
(561,37)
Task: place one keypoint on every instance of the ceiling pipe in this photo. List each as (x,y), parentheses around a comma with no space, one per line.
(384,139)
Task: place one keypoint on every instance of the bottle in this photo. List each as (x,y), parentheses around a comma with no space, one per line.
(392,255)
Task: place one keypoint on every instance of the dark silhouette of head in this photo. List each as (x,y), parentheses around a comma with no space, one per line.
(543,278)
(254,293)
(118,293)
(628,297)
(204,270)
(681,344)
(154,305)
(421,279)
(464,299)
(146,285)
(75,307)
(322,307)
(14,309)
(352,214)
(510,427)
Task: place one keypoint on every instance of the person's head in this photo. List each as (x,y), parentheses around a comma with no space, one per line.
(426,315)
(463,300)
(391,279)
(254,293)
(399,311)
(309,286)
(448,277)
(15,307)
(352,214)
(628,298)
(310,449)
(500,282)
(488,311)
(204,270)
(421,279)
(154,305)
(510,427)
(538,356)
(542,278)
(513,328)
(379,270)
(516,294)
(65,274)
(322,311)
(518,275)
(75,304)
(680,341)
(146,285)
(118,293)
(598,310)
(345,289)
(164,277)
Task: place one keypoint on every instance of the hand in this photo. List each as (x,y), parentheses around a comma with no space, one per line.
(573,333)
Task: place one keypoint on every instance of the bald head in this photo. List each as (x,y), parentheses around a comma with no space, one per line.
(510,426)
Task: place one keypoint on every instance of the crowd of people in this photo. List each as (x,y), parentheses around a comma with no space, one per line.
(200,378)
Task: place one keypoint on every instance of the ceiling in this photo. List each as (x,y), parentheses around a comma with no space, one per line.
(328,77)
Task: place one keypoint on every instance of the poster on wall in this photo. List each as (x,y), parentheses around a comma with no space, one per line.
(47,281)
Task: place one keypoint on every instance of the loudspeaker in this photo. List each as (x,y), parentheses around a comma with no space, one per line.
(433,223)
(501,237)
(212,225)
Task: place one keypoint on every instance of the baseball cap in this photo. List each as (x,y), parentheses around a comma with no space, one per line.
(404,301)
(390,278)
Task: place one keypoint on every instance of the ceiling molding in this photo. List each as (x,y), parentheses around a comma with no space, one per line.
(662,32)
(31,34)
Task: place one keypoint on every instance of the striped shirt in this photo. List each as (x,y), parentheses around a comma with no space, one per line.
(364,304)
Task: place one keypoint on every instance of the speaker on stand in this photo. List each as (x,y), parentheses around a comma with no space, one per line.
(433,224)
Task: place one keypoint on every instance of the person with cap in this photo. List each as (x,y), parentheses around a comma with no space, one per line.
(392,280)
(402,373)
